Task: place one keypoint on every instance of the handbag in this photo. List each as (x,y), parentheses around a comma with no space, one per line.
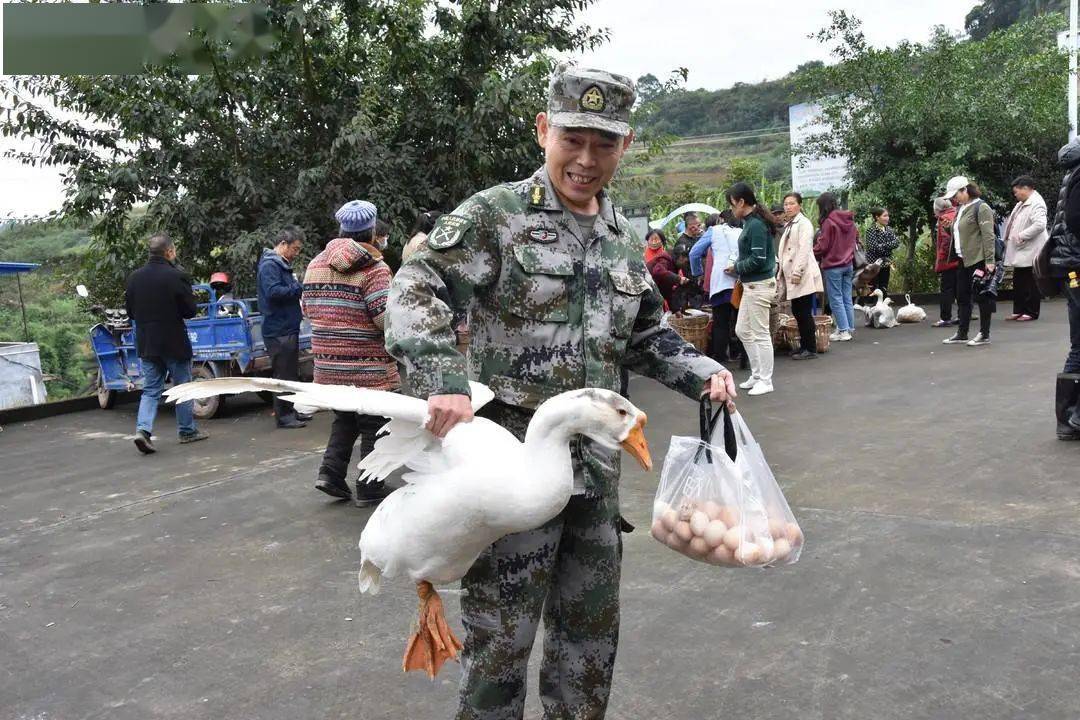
(736,294)
(859,262)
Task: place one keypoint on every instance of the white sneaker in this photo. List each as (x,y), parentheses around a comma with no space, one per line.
(979,340)
(835,335)
(845,337)
(762,387)
(750,382)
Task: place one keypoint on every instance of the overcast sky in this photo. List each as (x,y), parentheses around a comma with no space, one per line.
(719,45)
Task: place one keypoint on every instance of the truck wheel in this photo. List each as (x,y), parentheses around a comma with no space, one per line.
(106,398)
(206,408)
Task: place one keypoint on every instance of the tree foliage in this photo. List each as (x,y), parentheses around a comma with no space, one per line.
(993,15)
(909,118)
(413,104)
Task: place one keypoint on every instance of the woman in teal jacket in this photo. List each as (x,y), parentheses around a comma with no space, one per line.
(756,268)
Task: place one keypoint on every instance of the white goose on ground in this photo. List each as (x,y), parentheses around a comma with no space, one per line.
(460,496)
(882,315)
(910,313)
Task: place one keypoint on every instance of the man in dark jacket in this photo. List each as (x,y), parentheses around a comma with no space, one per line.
(1065,263)
(279,303)
(158,299)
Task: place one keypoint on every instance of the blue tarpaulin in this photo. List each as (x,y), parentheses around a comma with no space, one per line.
(10,268)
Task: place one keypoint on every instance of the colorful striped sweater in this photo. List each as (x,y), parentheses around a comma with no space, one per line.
(345,291)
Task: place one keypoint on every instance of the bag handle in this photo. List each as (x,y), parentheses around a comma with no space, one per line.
(708,421)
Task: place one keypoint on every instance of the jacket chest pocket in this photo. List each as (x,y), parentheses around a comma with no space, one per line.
(625,301)
(538,283)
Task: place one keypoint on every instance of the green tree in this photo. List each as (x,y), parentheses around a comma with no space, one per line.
(413,104)
(993,15)
(909,118)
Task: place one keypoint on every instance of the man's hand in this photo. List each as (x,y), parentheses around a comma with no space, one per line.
(730,270)
(446,411)
(721,388)
(796,278)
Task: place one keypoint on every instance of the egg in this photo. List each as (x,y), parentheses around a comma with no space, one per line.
(782,549)
(733,537)
(730,515)
(659,507)
(682,529)
(699,548)
(658,530)
(699,522)
(748,554)
(675,543)
(714,533)
(721,556)
(777,528)
(670,519)
(712,509)
(794,534)
(686,508)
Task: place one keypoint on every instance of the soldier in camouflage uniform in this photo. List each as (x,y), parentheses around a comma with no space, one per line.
(558,298)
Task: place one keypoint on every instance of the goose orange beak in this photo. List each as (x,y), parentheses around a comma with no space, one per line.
(635,444)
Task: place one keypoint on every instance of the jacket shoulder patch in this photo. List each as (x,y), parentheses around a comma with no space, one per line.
(448,232)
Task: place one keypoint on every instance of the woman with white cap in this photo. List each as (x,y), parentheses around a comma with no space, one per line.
(975,245)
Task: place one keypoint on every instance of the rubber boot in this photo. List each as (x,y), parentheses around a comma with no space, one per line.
(1067,406)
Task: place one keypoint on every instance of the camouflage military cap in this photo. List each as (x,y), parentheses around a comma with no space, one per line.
(587,98)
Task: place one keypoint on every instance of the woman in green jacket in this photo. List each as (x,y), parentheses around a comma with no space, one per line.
(756,268)
(975,245)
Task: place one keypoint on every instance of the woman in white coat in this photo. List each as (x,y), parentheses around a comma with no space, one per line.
(1025,234)
(798,277)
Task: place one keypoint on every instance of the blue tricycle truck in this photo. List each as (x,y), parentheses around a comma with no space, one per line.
(226,340)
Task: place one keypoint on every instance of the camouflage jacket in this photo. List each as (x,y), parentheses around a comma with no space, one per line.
(549,310)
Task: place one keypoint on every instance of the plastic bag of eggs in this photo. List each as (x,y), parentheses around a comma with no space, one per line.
(727,535)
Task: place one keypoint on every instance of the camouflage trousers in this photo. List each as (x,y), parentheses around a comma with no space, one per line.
(568,572)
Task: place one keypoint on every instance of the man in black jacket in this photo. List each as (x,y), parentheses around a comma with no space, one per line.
(1065,264)
(158,299)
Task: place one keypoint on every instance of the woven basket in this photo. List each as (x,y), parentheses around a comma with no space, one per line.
(692,329)
(789,329)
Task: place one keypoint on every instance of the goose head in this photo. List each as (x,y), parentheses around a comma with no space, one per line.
(878,294)
(603,416)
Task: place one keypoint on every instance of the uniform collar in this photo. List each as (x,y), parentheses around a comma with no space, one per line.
(541,195)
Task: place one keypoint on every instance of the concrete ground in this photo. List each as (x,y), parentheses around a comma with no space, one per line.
(941,576)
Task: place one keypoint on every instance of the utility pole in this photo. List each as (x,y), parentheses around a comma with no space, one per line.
(1072,69)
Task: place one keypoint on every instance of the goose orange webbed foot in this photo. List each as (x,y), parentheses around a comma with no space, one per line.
(433,643)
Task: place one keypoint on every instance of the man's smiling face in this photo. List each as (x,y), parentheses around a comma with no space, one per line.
(580,162)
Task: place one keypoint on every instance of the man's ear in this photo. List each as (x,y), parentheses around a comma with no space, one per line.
(542,130)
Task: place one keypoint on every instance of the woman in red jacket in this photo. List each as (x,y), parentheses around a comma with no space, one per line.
(946,263)
(834,249)
(662,266)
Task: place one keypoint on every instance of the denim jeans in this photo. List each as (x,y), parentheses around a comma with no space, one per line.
(838,288)
(154,371)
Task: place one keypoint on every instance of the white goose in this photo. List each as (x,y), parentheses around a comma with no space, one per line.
(459,498)
(910,313)
(882,315)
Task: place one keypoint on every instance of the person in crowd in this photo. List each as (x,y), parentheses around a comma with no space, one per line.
(720,243)
(279,303)
(1065,264)
(381,235)
(694,229)
(945,260)
(756,269)
(798,276)
(158,298)
(223,289)
(881,242)
(1024,235)
(834,249)
(345,292)
(425,221)
(566,571)
(662,266)
(975,244)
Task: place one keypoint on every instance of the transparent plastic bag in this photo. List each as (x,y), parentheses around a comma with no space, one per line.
(718,501)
